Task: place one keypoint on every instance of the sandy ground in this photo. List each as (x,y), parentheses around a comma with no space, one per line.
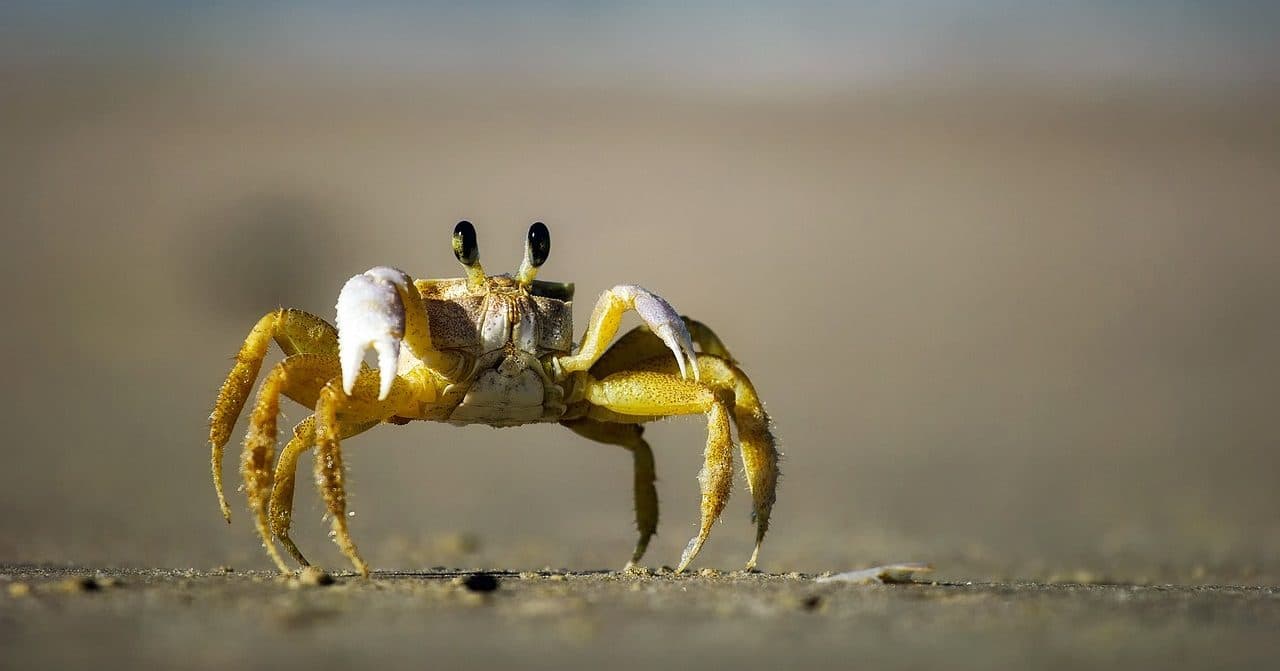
(75,617)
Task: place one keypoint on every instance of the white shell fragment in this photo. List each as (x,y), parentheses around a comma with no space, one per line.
(889,573)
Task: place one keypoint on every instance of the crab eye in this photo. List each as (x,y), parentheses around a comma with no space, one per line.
(539,244)
(464,243)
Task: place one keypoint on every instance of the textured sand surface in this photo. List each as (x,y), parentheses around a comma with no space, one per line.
(71,618)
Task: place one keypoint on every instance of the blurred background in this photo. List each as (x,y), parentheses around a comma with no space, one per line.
(1004,272)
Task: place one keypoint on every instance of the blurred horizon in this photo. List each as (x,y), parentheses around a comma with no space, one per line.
(722,47)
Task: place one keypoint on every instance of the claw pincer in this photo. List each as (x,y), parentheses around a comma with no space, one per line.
(663,320)
(371,316)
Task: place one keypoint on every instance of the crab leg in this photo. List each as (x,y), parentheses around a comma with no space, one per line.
(657,314)
(281,510)
(330,477)
(629,436)
(301,375)
(294,331)
(358,409)
(648,394)
(757,443)
(640,349)
(755,439)
(639,344)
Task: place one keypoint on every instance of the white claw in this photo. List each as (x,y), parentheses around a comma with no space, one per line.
(666,323)
(388,363)
(370,315)
(669,337)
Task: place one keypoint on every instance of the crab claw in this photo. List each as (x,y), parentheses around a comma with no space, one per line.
(371,316)
(666,323)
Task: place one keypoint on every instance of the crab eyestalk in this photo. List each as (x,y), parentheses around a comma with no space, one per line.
(467,250)
(537,247)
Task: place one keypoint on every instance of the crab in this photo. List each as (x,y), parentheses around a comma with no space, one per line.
(493,350)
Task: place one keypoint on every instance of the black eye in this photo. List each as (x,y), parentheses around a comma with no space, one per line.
(464,243)
(539,244)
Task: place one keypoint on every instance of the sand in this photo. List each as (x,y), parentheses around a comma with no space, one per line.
(158,618)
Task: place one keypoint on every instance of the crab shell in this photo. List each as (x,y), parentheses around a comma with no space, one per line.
(507,335)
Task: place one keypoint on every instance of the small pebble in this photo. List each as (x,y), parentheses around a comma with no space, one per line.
(481,582)
(81,584)
(709,573)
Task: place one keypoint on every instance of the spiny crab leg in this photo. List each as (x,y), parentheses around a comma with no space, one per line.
(656,313)
(371,316)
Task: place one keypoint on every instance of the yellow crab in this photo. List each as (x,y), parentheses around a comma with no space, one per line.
(493,350)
